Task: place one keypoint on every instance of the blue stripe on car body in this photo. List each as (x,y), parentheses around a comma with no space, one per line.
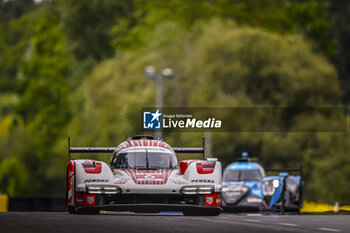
(243,166)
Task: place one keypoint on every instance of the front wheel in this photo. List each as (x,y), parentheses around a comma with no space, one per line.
(71,209)
(88,211)
(209,212)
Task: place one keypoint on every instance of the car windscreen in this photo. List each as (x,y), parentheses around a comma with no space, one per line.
(144,160)
(243,175)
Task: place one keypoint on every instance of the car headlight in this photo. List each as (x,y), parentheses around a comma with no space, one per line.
(104,189)
(235,188)
(94,190)
(192,190)
(270,186)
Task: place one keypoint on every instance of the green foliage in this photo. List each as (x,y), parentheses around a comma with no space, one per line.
(340,19)
(7,104)
(11,171)
(312,19)
(14,9)
(307,17)
(333,170)
(42,111)
(14,178)
(270,69)
(14,38)
(87,25)
(114,92)
(44,100)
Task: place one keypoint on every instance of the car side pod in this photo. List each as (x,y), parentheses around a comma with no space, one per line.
(283,176)
(279,186)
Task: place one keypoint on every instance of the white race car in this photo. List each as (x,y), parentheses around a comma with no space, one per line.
(143,176)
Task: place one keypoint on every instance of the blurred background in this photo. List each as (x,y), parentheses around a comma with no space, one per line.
(76,67)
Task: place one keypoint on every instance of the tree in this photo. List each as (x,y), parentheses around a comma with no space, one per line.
(340,20)
(310,18)
(87,25)
(14,9)
(14,44)
(43,103)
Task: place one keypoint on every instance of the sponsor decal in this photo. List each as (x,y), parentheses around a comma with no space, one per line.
(218,200)
(152,177)
(156,177)
(242,167)
(178,181)
(202,181)
(235,188)
(80,200)
(70,188)
(254,200)
(95,180)
(209,200)
(151,120)
(90,199)
(121,181)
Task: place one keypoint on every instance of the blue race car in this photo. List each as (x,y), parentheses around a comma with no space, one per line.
(246,187)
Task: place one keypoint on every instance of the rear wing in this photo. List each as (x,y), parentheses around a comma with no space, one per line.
(109,150)
(296,170)
(192,150)
(189,150)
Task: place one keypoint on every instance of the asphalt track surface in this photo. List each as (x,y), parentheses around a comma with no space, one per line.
(48,222)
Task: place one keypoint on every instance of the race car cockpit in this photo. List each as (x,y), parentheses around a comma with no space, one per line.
(146,159)
(244,175)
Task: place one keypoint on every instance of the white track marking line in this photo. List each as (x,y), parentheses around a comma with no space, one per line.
(288,224)
(251,220)
(328,229)
(253,215)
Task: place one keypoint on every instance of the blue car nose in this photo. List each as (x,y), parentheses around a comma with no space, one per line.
(234,193)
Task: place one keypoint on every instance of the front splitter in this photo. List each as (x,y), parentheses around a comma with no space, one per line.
(153,208)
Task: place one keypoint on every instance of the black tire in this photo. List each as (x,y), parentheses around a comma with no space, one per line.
(71,209)
(88,211)
(148,212)
(190,213)
(211,212)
